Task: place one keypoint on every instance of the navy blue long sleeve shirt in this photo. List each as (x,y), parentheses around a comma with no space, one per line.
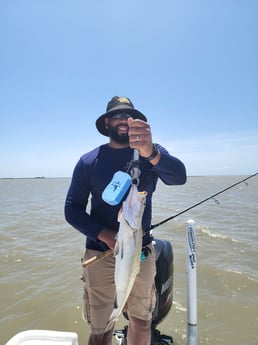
(91,175)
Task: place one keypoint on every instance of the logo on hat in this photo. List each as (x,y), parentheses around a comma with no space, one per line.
(123,100)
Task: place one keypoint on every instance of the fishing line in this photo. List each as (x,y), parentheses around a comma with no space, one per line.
(201,202)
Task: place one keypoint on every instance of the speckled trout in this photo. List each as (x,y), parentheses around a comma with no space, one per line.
(128,249)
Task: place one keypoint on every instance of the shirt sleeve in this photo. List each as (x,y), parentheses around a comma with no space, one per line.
(170,169)
(76,202)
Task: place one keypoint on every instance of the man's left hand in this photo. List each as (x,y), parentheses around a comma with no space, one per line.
(140,137)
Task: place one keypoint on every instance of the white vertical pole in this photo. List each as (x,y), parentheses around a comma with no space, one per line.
(191,283)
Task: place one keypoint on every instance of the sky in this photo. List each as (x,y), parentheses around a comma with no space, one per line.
(189,66)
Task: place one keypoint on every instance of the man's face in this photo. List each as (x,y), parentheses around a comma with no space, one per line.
(118,130)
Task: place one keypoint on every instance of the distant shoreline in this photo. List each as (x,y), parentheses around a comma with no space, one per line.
(31,178)
(65,177)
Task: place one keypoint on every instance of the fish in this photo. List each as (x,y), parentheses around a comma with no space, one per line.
(127,249)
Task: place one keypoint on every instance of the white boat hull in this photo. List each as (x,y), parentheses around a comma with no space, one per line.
(43,337)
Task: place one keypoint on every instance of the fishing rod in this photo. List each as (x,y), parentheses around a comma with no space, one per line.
(102,255)
(201,202)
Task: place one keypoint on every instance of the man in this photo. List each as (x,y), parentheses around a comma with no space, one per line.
(127,129)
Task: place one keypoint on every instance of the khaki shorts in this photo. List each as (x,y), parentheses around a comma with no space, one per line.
(99,290)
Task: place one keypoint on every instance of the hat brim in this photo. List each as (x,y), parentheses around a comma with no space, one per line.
(100,122)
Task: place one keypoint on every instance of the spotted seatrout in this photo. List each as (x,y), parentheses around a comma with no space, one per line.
(128,249)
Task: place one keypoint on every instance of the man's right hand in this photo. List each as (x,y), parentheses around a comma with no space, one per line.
(108,236)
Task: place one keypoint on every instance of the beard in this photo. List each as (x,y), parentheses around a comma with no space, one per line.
(119,138)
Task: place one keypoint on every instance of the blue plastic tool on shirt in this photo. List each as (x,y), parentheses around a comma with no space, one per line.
(117,188)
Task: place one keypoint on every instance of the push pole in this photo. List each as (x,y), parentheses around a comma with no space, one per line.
(191,283)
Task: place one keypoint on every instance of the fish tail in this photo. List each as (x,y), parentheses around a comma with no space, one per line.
(110,324)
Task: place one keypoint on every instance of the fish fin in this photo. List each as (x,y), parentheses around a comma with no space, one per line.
(135,237)
(109,325)
(115,303)
(116,249)
(122,251)
(119,250)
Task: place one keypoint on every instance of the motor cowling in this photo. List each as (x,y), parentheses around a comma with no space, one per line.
(163,280)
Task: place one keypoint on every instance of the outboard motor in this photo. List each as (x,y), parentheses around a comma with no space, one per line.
(164,294)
